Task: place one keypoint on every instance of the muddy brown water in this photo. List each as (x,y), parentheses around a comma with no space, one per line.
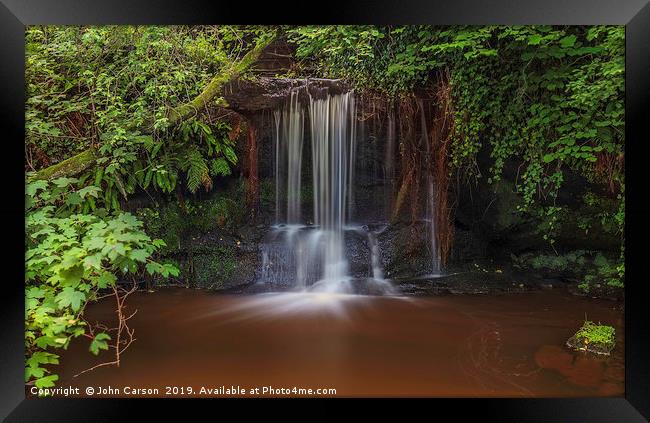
(451,346)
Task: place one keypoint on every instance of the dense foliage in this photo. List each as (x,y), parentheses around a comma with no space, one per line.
(71,257)
(544,100)
(111,90)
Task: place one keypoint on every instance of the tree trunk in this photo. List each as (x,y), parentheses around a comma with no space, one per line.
(68,167)
(82,161)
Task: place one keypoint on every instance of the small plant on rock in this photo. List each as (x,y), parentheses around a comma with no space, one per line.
(595,338)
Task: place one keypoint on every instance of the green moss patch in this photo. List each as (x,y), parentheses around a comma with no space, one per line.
(598,339)
(214,270)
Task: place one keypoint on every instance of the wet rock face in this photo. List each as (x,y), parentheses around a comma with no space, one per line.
(267,93)
(218,260)
(467,248)
(405,250)
(358,253)
(490,213)
(293,257)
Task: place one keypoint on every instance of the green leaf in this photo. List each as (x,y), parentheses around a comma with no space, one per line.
(47,341)
(47,381)
(95,243)
(106,279)
(230,154)
(220,167)
(170,269)
(70,297)
(33,372)
(534,39)
(159,243)
(91,190)
(548,158)
(35,292)
(153,267)
(94,261)
(73,199)
(42,357)
(99,343)
(64,182)
(139,255)
(568,41)
(35,186)
(71,277)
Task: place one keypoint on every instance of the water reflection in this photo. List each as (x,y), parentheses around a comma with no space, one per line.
(326,300)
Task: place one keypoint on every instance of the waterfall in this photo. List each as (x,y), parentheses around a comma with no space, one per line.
(431,219)
(311,253)
(332,135)
(377,270)
(276,168)
(389,160)
(431,211)
(293,132)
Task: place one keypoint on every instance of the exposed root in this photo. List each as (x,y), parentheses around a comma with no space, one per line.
(441,133)
(252,171)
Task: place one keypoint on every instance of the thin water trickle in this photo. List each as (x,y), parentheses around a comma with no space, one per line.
(389,160)
(431,216)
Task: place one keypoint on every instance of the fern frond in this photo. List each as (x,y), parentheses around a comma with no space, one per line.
(198,173)
(220,167)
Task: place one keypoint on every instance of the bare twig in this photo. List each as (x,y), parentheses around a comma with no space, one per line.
(124,337)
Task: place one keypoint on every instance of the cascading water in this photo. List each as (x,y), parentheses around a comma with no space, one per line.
(431,218)
(311,254)
(282,260)
(431,215)
(332,139)
(293,129)
(389,160)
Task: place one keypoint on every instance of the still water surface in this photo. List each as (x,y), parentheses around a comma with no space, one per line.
(460,346)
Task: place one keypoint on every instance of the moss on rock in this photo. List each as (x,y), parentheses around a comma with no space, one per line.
(597,339)
(215,269)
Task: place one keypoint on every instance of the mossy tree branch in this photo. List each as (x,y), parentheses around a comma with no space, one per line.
(68,167)
(82,161)
(213,89)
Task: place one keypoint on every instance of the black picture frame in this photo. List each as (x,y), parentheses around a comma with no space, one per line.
(635,14)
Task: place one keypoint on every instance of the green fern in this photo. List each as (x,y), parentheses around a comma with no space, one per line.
(220,167)
(197,170)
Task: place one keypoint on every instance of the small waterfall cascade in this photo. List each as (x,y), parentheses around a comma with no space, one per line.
(289,135)
(312,253)
(431,219)
(431,213)
(389,159)
(377,269)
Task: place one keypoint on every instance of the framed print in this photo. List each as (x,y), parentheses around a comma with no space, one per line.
(386,201)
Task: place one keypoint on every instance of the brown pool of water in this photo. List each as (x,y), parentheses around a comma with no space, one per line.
(450,346)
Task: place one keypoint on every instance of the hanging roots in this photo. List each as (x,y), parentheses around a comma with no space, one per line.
(419,163)
(440,137)
(251,170)
(409,159)
(611,166)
